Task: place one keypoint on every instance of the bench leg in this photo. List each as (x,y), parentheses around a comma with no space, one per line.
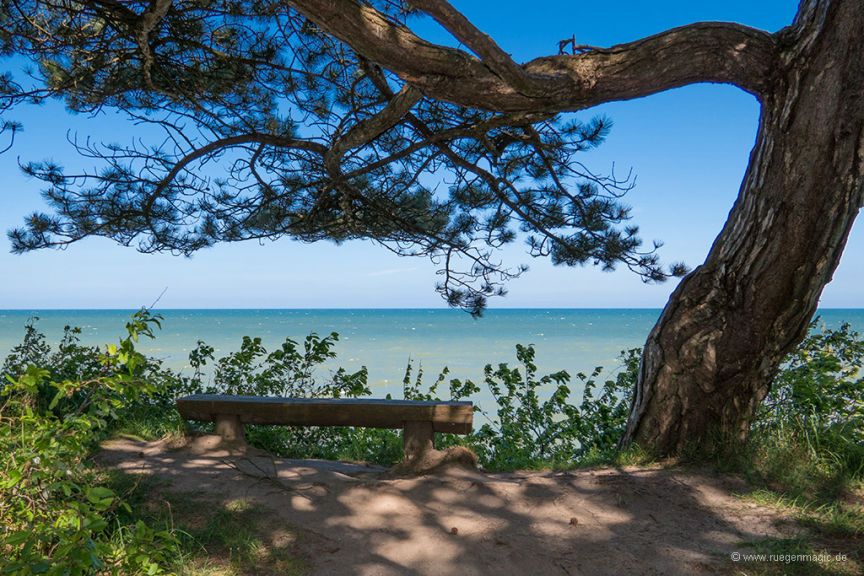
(418,438)
(230,428)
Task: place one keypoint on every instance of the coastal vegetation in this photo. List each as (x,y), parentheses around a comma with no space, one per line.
(64,514)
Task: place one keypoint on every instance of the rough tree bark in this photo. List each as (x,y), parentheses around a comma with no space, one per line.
(710,359)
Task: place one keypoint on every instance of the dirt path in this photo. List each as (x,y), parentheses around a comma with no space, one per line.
(357,520)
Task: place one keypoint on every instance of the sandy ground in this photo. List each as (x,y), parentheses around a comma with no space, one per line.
(359,520)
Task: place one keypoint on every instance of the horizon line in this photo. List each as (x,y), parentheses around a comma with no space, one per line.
(324,309)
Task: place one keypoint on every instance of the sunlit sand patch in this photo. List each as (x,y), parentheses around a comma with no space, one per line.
(302,503)
(374,511)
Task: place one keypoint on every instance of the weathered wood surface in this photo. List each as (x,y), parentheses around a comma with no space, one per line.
(418,438)
(452,417)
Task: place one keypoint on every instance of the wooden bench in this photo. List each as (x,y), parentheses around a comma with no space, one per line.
(419,420)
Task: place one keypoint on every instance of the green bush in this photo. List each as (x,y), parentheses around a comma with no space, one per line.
(808,436)
(530,431)
(58,518)
(287,371)
(70,362)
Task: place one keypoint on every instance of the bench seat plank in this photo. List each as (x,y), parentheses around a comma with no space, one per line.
(452,417)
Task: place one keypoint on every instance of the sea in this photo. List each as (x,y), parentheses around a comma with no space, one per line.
(385,340)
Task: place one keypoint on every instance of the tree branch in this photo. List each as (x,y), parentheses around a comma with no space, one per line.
(238,140)
(370,128)
(489,52)
(703,52)
(155,11)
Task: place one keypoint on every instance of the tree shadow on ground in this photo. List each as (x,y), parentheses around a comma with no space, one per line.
(355,519)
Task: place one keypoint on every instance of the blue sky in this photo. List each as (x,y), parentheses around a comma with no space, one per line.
(688,148)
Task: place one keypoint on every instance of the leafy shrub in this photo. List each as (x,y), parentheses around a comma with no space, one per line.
(58,519)
(819,385)
(530,431)
(808,436)
(287,371)
(70,361)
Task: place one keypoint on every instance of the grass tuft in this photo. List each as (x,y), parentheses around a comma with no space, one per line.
(216,538)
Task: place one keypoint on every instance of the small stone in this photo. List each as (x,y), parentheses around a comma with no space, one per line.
(454,531)
(574,521)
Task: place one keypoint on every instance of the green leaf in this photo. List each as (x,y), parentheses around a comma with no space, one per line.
(56,399)
(96,523)
(18,538)
(100,492)
(13,477)
(101,497)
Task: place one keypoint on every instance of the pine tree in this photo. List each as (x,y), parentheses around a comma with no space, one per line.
(336,121)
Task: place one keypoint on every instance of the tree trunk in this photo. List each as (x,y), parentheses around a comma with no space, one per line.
(710,359)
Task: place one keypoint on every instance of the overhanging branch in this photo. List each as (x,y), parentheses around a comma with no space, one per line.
(489,52)
(703,52)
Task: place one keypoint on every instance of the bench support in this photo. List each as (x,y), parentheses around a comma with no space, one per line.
(230,428)
(418,439)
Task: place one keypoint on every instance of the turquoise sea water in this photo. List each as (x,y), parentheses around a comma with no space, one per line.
(383,340)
